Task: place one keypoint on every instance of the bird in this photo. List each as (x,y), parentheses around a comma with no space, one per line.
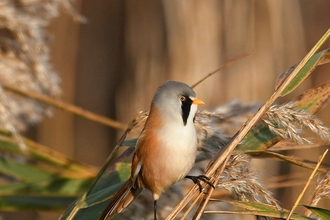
(165,150)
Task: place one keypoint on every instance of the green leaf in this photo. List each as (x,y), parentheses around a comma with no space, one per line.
(102,192)
(259,138)
(322,213)
(22,170)
(316,59)
(50,187)
(17,203)
(288,159)
(43,157)
(313,99)
(109,184)
(41,195)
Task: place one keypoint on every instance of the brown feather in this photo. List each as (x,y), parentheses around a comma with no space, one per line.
(120,200)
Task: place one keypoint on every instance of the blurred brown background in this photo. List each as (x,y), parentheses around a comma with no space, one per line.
(113,64)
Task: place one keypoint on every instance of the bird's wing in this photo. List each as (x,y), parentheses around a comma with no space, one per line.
(126,193)
(136,168)
(120,200)
(136,161)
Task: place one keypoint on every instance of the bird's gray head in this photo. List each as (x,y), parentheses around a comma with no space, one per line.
(174,100)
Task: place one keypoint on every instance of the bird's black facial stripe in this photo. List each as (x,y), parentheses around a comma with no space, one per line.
(185,106)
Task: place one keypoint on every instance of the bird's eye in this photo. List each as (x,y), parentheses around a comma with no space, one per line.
(182,98)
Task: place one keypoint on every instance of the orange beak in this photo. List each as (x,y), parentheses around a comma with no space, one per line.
(198,101)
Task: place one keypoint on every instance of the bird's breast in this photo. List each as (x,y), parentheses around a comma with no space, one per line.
(169,157)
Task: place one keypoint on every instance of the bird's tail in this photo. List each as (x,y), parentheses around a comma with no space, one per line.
(120,200)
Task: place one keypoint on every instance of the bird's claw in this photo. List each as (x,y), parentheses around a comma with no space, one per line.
(197,179)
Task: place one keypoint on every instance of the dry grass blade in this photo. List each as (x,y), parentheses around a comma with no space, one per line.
(68,107)
(286,145)
(213,169)
(285,158)
(307,184)
(283,181)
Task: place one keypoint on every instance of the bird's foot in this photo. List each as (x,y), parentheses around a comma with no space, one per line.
(197,179)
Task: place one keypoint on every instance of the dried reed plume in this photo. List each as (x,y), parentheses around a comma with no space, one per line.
(25,60)
(290,122)
(214,128)
(209,138)
(241,180)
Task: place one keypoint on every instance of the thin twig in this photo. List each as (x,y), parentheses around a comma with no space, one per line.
(68,107)
(228,63)
(289,159)
(307,184)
